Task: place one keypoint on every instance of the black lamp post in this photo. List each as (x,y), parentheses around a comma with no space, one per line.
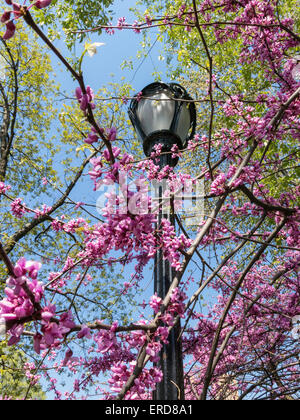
(165,114)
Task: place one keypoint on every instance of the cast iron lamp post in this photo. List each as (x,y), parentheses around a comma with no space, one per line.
(165,114)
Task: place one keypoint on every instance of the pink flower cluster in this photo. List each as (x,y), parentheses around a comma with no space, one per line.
(41,212)
(93,137)
(248,175)
(106,341)
(155,303)
(85,99)
(4,188)
(175,308)
(172,244)
(9,15)
(18,208)
(110,173)
(146,381)
(17,306)
(177,305)
(53,330)
(22,304)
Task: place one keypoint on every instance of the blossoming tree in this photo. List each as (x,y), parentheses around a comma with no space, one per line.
(245,344)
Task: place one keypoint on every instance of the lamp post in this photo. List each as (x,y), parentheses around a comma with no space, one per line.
(165,114)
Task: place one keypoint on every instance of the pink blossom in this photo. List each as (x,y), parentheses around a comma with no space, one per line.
(136,27)
(121,22)
(10,29)
(112,134)
(106,341)
(40,4)
(18,208)
(92,138)
(218,186)
(4,188)
(84,332)
(153,350)
(155,303)
(85,99)
(6,16)
(48,312)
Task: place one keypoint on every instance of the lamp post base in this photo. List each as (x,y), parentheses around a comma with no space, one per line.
(171,388)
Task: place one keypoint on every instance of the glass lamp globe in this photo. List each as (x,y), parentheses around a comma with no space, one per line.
(163,114)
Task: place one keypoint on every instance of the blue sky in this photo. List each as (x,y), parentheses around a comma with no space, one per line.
(123,45)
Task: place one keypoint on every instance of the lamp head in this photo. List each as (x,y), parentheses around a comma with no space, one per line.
(163,114)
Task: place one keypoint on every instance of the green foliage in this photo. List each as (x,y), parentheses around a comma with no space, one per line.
(70,16)
(27,88)
(14,384)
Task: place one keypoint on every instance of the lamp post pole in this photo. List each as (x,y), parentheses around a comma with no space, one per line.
(171,363)
(165,114)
